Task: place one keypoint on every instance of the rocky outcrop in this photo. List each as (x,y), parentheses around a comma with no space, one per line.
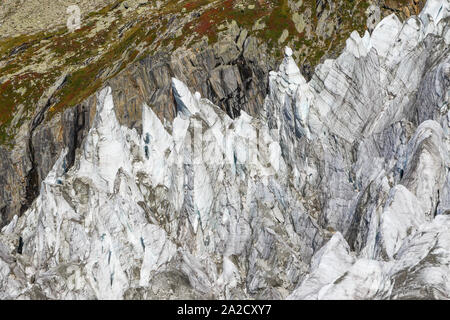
(232,74)
(30,16)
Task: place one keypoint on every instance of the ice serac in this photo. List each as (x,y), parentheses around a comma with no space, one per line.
(176,204)
(338,189)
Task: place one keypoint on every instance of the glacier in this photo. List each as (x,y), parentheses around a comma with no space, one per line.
(339,189)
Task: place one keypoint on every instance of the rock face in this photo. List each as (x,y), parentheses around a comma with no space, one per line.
(333,188)
(29,16)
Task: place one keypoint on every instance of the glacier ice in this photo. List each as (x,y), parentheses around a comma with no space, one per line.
(339,189)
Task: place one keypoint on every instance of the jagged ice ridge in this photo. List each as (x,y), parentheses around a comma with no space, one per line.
(340,189)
